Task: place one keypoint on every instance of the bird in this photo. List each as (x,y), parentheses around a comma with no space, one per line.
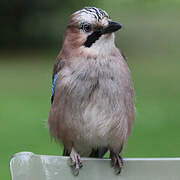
(92,103)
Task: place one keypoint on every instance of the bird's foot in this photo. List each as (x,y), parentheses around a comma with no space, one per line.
(76,162)
(117,162)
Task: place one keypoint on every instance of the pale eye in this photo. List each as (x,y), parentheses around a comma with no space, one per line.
(86,27)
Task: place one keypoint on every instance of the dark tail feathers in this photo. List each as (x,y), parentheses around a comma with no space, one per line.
(95,153)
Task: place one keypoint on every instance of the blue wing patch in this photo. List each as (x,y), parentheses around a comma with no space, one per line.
(53,87)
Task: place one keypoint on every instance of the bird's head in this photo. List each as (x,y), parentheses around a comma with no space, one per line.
(91,29)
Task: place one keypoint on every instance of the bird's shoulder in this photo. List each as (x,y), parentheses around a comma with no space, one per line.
(58,65)
(119,53)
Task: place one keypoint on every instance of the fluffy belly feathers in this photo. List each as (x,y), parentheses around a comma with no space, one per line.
(94,109)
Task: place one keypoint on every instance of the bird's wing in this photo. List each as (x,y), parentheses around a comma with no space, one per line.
(123,55)
(57,67)
(53,87)
(53,119)
(130,94)
(130,108)
(130,97)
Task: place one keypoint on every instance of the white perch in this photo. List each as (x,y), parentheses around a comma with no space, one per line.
(29,166)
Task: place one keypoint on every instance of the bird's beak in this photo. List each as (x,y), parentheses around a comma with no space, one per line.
(112,27)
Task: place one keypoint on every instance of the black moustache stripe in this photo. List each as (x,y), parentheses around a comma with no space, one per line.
(92,38)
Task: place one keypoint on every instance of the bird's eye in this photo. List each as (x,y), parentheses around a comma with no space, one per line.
(86,27)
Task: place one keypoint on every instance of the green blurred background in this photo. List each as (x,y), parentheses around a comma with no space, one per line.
(31,37)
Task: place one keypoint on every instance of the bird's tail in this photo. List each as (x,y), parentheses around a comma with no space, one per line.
(66,152)
(98,153)
(95,153)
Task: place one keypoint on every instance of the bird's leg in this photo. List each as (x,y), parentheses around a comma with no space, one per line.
(76,160)
(117,161)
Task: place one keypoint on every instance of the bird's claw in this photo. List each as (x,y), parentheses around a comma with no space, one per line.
(117,162)
(76,162)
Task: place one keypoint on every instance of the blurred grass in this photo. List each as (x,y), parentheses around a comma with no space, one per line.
(150,41)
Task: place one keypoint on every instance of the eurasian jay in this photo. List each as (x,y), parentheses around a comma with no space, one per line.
(93,97)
